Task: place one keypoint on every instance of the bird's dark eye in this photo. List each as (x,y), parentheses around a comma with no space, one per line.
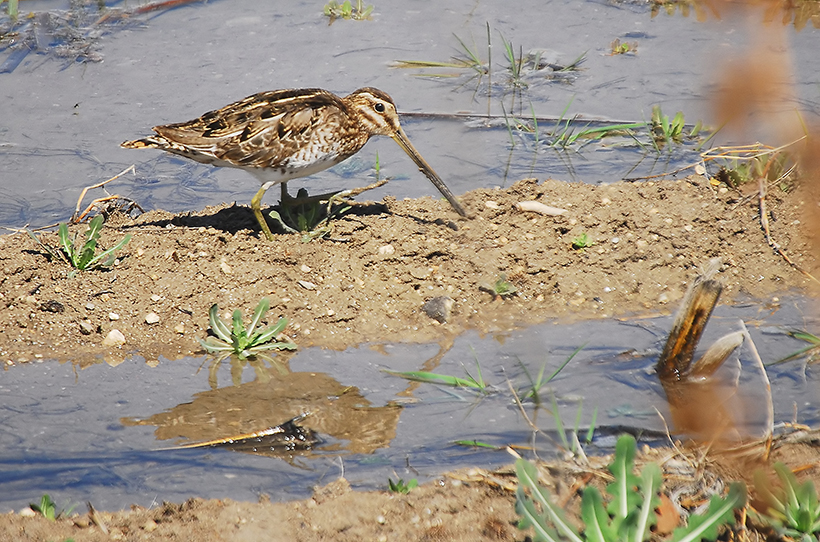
(379,107)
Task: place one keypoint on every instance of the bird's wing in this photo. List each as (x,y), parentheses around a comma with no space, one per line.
(262,130)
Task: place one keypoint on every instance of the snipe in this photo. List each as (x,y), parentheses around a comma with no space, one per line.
(284,134)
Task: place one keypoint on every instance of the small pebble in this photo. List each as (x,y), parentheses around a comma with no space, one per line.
(306,285)
(305,269)
(151,318)
(156,298)
(538,207)
(86,328)
(180,328)
(114,338)
(386,250)
(28,513)
(490,204)
(439,308)
(113,316)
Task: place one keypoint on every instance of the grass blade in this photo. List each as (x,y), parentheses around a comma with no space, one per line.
(434,378)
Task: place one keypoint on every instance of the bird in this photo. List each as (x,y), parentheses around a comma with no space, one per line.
(281,135)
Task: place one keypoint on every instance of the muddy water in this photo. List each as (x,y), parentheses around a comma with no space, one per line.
(102,433)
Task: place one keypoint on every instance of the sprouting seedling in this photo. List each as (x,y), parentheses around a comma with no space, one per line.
(79,251)
(621,48)
(401,486)
(581,242)
(630,512)
(242,341)
(346,10)
(501,287)
(48,508)
(792,508)
(311,220)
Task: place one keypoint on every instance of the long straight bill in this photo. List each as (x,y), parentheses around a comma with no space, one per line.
(401,138)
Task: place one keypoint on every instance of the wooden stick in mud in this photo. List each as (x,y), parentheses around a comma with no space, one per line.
(696,308)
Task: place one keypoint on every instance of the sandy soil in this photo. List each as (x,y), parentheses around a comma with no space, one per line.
(368,281)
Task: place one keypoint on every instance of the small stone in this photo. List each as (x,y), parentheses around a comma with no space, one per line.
(114,338)
(490,204)
(386,250)
(306,285)
(305,269)
(90,306)
(156,298)
(151,318)
(52,305)
(225,268)
(86,328)
(439,308)
(663,298)
(27,513)
(180,328)
(150,526)
(113,316)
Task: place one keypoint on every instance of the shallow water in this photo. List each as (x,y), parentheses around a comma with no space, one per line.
(72,432)
(63,120)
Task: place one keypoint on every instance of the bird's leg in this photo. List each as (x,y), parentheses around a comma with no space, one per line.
(256,207)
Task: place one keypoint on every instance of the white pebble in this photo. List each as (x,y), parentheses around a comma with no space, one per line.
(151,318)
(113,316)
(114,338)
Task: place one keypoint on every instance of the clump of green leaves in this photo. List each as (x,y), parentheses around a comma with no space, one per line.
(740,170)
(48,508)
(670,131)
(346,10)
(792,509)
(79,251)
(581,242)
(311,219)
(401,486)
(619,47)
(501,287)
(630,512)
(241,341)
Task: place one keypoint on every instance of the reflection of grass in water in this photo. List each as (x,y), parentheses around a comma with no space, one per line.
(798,12)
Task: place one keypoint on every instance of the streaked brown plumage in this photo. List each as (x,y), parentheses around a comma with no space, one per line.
(284,134)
